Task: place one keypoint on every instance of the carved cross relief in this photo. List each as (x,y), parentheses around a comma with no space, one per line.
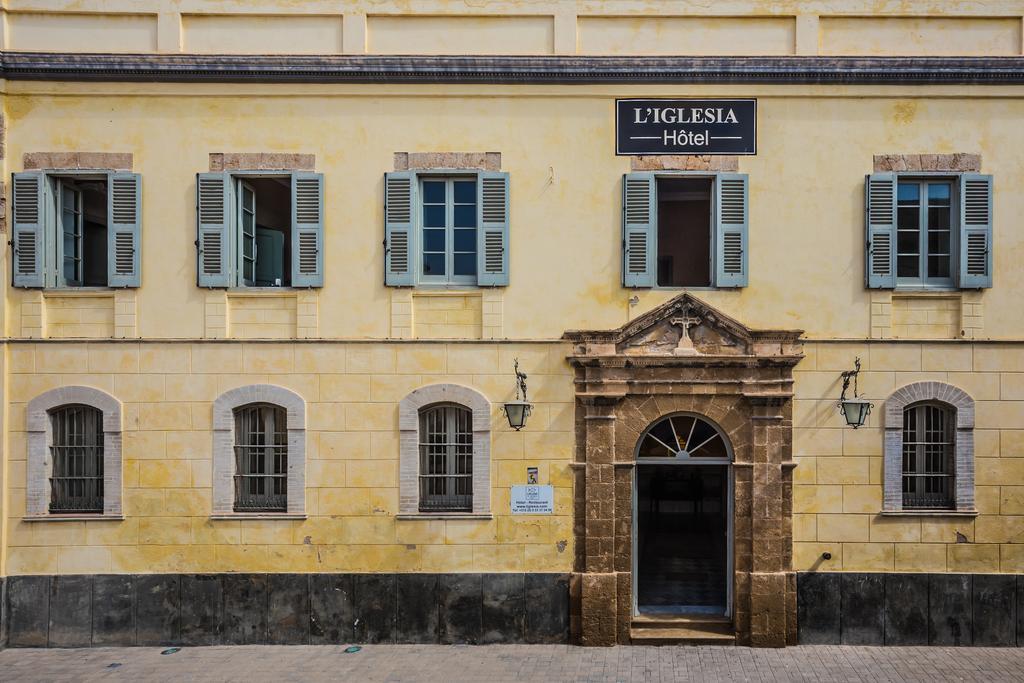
(685,346)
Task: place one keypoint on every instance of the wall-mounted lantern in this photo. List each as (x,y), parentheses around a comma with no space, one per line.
(857,408)
(518,410)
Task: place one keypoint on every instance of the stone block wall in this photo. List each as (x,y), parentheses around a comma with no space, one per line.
(286,609)
(838,480)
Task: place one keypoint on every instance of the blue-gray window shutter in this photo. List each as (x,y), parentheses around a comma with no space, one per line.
(492,234)
(28,237)
(399,235)
(880,226)
(214,206)
(307,230)
(975,230)
(124,197)
(639,229)
(731,217)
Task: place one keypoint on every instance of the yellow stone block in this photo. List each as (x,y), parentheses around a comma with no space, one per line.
(806,470)
(320,358)
(999,414)
(508,445)
(895,529)
(153,416)
(267,532)
(420,531)
(384,445)
(868,557)
(986,443)
(298,559)
(258,358)
(876,468)
(201,473)
(863,441)
(1011,443)
(228,558)
(986,500)
(164,358)
(843,470)
(58,533)
(972,558)
(817,498)
(144,445)
(805,528)
(945,530)
(21,358)
(837,527)
(478,359)
(981,386)
(84,560)
(23,388)
(371,416)
(808,556)
(113,358)
(371,473)
(817,441)
(344,501)
(547,557)
(383,501)
(561,474)
(344,388)
(549,445)
(901,357)
(996,358)
(165,531)
(999,471)
(164,473)
(327,473)
(998,529)
(31,561)
(947,357)
(206,531)
(469,531)
(864,499)
(392,388)
(840,357)
(1011,558)
(190,387)
(508,473)
(123,532)
(423,358)
(1011,500)
(319,531)
(523,529)
(216,358)
(54,358)
(920,557)
(369,530)
(345,445)
(498,558)
(143,503)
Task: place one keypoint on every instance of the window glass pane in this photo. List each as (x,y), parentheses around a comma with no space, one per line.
(938,266)
(433,216)
(938,217)
(433,264)
(465,240)
(907,266)
(433,240)
(433,191)
(465,215)
(938,242)
(907,241)
(465,264)
(908,193)
(938,193)
(907,218)
(465,191)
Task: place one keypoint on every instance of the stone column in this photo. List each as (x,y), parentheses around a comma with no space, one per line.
(599,589)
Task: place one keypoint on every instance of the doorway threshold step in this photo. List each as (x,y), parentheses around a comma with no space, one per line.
(673,629)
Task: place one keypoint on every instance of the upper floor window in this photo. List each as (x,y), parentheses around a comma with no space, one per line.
(76,229)
(261,458)
(929,231)
(446,459)
(446,229)
(684,230)
(76,451)
(929,449)
(928,467)
(260,229)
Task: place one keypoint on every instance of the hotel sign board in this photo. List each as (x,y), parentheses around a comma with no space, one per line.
(646,127)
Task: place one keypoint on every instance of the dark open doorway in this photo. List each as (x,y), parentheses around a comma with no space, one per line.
(682,539)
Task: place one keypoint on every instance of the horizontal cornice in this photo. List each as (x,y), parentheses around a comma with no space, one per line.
(487,69)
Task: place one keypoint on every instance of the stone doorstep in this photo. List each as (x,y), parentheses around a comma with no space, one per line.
(673,629)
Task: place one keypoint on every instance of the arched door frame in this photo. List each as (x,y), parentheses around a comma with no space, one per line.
(686,461)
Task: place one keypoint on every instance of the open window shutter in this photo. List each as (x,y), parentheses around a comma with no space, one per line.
(213,242)
(28,238)
(399,236)
(492,233)
(124,195)
(639,229)
(975,230)
(880,212)
(307,230)
(731,216)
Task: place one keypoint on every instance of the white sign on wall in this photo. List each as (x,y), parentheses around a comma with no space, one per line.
(533,500)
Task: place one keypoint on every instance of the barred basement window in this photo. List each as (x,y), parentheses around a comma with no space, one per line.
(261,458)
(446,459)
(928,457)
(76,484)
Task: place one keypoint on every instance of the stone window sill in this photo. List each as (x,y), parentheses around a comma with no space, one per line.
(445,515)
(259,515)
(73,518)
(929,513)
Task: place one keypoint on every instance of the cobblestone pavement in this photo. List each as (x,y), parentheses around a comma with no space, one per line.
(498,663)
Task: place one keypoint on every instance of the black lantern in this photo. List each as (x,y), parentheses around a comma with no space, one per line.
(518,410)
(856,409)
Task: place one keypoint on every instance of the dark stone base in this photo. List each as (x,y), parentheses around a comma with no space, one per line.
(910,609)
(284,609)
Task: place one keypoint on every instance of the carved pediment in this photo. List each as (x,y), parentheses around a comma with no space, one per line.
(685,327)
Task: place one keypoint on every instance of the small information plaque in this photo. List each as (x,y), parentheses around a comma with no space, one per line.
(533,500)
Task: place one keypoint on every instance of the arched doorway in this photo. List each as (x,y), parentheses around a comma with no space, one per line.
(682,518)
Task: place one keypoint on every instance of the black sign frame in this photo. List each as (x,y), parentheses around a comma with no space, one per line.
(745,127)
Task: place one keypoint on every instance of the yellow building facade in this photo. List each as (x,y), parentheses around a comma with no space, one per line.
(116,114)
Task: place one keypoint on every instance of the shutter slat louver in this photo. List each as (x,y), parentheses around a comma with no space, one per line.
(399,197)
(123,250)
(880,209)
(639,226)
(307,230)
(27,237)
(213,202)
(731,215)
(492,238)
(975,231)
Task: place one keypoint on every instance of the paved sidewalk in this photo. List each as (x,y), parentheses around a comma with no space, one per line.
(499,663)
